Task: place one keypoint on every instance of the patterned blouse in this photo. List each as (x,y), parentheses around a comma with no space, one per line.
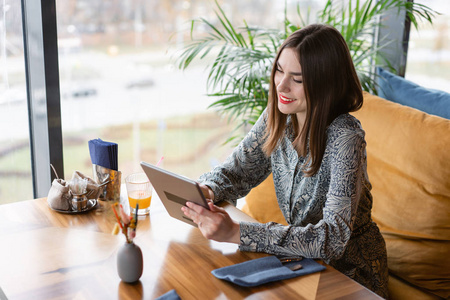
(329,214)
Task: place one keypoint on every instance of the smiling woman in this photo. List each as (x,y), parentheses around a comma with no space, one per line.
(316,152)
(321,95)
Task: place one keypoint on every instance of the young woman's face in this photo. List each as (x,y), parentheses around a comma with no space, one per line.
(289,84)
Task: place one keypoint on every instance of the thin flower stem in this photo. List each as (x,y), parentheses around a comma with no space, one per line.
(117,217)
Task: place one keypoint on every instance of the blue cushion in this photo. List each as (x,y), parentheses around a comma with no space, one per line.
(402,91)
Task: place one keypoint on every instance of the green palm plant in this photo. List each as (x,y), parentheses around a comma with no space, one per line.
(242,56)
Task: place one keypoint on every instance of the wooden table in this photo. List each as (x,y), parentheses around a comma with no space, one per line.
(49,255)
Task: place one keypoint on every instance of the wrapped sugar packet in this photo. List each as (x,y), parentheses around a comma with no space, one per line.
(93,190)
(78,185)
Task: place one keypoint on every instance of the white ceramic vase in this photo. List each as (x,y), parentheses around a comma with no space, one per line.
(129,262)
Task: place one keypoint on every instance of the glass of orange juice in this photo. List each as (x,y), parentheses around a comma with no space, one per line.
(139,191)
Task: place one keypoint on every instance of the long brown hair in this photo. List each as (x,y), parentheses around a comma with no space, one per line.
(331,88)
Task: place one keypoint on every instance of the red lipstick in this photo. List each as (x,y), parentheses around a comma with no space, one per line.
(283,99)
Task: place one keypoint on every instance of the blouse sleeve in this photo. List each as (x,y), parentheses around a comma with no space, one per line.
(327,238)
(246,167)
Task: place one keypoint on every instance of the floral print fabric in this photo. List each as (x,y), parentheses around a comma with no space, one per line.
(328,213)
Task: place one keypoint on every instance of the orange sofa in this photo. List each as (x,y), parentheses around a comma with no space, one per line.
(408,156)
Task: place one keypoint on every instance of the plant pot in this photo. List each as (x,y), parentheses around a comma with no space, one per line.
(129,262)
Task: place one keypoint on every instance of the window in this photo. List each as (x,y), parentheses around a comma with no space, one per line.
(429,50)
(15,165)
(118,82)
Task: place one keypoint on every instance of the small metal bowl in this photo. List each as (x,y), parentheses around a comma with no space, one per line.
(79,202)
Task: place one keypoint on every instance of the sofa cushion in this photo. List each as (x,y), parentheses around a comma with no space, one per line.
(400,90)
(400,289)
(409,168)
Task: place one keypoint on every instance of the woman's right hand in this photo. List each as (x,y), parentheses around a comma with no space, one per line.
(215,223)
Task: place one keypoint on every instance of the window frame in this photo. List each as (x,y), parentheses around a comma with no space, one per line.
(397,30)
(40,41)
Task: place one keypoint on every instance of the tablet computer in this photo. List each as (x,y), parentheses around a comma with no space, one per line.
(174,191)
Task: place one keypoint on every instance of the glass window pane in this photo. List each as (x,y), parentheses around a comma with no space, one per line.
(15,166)
(429,49)
(118,83)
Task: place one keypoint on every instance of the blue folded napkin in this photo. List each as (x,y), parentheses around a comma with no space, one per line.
(262,270)
(171,295)
(103,154)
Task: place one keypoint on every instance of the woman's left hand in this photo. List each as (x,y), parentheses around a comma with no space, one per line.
(215,224)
